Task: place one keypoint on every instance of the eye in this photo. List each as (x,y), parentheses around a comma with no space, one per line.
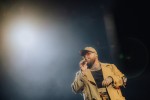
(88,53)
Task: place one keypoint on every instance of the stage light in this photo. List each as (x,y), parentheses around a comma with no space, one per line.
(23,34)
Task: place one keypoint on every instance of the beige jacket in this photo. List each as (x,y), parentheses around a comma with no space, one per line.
(87,85)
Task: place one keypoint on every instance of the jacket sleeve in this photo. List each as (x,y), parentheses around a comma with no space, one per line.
(78,85)
(118,77)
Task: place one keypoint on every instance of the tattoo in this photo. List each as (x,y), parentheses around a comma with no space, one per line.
(95,68)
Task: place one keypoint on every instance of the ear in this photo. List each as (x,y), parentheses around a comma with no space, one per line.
(96,55)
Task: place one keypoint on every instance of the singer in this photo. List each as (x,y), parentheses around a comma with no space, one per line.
(97,80)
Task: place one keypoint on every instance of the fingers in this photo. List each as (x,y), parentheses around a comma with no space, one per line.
(82,62)
(83,65)
(106,82)
(124,79)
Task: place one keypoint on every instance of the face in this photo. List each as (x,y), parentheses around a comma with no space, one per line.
(90,57)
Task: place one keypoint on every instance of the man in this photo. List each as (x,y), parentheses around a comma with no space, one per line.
(97,80)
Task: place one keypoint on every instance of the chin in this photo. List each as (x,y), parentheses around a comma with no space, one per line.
(89,65)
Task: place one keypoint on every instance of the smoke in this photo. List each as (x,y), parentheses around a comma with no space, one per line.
(40,50)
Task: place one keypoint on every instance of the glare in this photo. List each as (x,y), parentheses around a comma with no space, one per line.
(36,49)
(23,33)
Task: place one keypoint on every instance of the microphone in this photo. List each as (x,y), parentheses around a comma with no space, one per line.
(83,61)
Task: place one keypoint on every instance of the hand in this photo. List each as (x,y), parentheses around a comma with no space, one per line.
(107,81)
(124,80)
(83,66)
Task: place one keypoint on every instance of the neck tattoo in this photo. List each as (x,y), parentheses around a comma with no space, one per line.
(96,68)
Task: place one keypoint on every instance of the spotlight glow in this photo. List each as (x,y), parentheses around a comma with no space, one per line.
(23,34)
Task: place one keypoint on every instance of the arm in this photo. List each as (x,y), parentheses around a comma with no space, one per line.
(77,85)
(119,79)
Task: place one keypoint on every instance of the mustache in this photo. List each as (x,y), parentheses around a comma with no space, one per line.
(90,63)
(84,61)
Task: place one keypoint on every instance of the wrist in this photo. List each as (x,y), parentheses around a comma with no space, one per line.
(110,79)
(83,72)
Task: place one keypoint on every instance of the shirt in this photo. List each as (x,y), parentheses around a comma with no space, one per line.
(98,77)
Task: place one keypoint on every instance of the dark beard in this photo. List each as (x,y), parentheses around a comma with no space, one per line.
(90,64)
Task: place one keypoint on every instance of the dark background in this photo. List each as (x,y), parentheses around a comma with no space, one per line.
(131,23)
(131,19)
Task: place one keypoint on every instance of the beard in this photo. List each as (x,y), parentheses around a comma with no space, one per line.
(90,63)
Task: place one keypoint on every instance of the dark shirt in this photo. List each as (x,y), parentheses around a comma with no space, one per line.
(98,77)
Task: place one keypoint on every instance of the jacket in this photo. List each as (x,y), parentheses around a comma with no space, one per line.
(86,84)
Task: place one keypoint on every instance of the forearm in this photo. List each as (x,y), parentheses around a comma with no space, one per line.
(77,85)
(116,81)
(119,79)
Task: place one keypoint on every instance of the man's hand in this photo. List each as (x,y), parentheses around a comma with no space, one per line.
(107,81)
(124,80)
(83,66)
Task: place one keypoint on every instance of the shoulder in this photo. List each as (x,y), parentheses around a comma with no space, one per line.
(108,65)
(78,72)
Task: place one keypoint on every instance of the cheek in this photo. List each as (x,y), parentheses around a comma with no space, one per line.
(92,56)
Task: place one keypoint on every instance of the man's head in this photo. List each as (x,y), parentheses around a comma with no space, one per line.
(90,55)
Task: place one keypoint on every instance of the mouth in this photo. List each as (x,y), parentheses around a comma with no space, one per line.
(87,60)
